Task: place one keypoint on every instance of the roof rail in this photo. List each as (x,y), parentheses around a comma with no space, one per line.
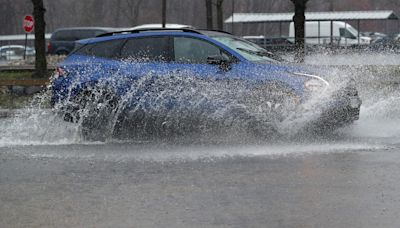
(216,30)
(131,31)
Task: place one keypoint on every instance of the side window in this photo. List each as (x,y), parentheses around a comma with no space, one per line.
(106,49)
(147,49)
(191,50)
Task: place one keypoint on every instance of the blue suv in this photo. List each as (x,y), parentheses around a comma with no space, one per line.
(156,80)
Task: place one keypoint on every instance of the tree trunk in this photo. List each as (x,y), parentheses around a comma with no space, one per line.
(164,13)
(209,14)
(220,15)
(299,23)
(40,41)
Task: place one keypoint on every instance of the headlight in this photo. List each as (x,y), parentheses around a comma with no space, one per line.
(314,85)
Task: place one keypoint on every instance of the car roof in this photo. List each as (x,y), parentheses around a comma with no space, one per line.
(153,31)
(13,46)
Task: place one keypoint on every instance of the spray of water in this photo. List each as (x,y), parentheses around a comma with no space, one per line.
(188,107)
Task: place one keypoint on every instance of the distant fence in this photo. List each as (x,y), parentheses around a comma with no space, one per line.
(335,44)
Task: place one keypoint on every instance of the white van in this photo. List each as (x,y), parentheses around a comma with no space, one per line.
(343,33)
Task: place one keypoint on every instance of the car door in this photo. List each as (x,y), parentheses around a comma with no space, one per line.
(145,62)
(205,71)
(193,55)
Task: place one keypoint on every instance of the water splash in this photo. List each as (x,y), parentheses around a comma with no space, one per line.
(177,103)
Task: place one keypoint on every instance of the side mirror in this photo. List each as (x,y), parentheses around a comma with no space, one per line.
(220,60)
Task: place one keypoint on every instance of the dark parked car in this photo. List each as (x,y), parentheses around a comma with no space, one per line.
(62,41)
(150,79)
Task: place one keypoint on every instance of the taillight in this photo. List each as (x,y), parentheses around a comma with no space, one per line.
(59,72)
(48,47)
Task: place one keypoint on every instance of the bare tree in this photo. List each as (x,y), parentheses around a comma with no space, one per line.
(164,13)
(131,11)
(299,19)
(395,3)
(220,14)
(209,13)
(40,42)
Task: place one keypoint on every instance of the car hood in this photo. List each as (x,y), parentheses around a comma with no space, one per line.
(300,70)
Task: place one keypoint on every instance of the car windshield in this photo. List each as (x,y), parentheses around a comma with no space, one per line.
(352,30)
(248,50)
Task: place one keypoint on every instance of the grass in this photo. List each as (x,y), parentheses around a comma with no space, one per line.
(15,75)
(12,75)
(13,101)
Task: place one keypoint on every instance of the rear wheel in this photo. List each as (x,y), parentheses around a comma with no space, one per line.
(95,110)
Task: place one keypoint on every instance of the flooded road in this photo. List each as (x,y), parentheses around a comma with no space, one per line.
(333,184)
(349,179)
(50,177)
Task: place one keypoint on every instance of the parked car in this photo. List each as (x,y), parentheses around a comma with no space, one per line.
(15,52)
(150,78)
(386,43)
(374,35)
(268,41)
(320,33)
(62,41)
(274,44)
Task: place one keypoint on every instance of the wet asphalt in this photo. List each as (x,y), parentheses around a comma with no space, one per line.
(50,178)
(328,184)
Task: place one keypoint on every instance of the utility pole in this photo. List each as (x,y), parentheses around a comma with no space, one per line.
(299,24)
(164,13)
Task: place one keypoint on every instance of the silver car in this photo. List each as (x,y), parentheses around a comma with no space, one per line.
(15,52)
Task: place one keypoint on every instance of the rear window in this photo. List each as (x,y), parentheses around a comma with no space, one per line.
(105,49)
(73,34)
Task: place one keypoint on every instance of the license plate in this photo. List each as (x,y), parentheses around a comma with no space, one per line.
(354,102)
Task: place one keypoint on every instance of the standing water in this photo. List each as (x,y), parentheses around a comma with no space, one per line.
(377,125)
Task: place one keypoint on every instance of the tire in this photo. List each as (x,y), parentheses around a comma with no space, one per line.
(95,110)
(243,120)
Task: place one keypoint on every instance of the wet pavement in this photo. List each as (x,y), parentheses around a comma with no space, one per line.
(50,177)
(329,184)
